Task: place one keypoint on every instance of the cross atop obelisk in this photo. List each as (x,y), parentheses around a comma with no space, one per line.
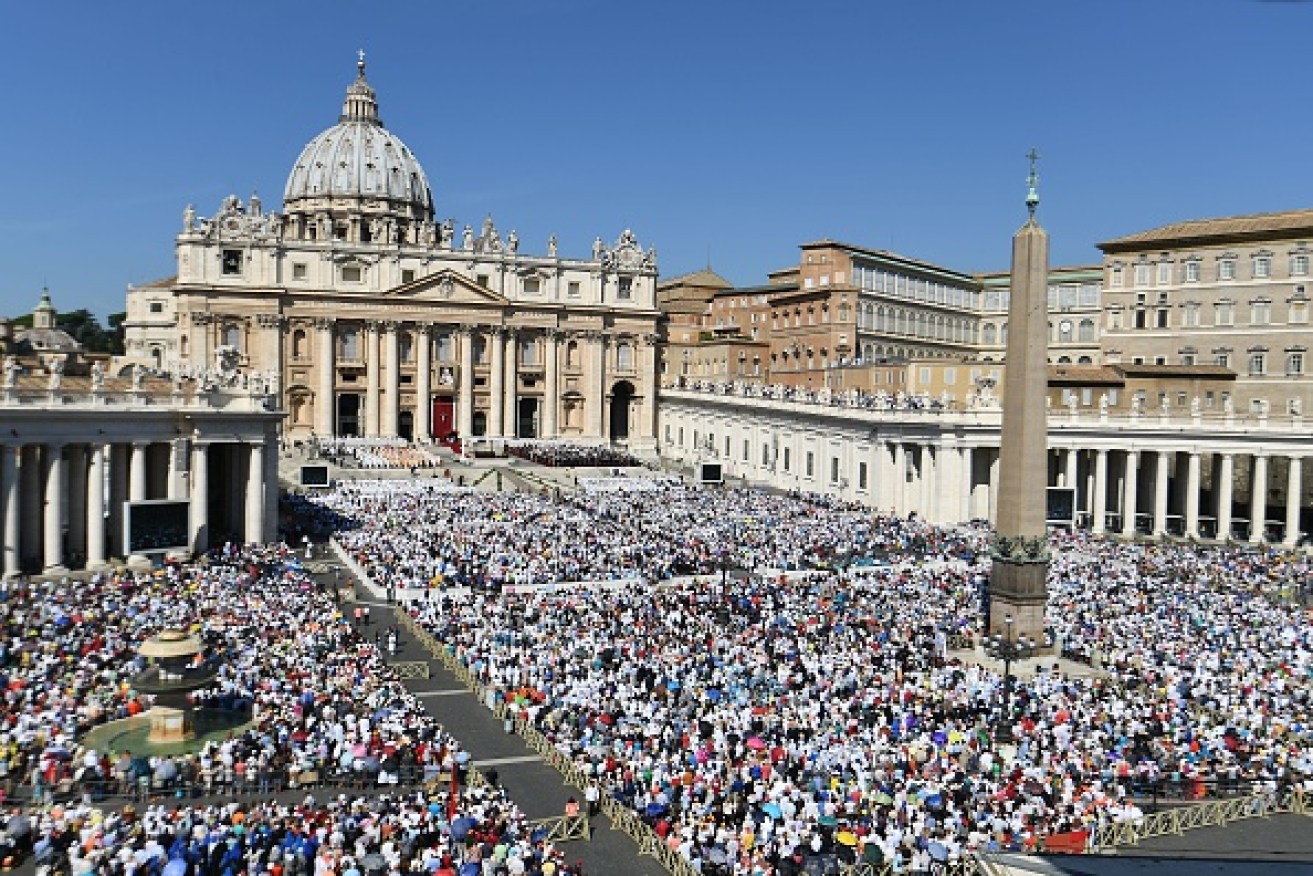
(1018,584)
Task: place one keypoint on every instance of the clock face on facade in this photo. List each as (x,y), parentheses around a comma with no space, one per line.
(232,261)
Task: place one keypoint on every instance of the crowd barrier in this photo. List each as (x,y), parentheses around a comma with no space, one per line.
(1217,813)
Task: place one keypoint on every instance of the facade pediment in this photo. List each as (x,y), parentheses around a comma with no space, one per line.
(449,287)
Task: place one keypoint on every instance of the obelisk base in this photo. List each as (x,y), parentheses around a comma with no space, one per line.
(1020,590)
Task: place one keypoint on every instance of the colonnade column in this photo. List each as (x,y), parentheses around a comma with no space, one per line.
(200,492)
(496,406)
(95,520)
(465,416)
(1258,499)
(1130,493)
(254,530)
(511,387)
(1226,471)
(391,402)
(372,330)
(900,479)
(551,391)
(77,500)
(1099,505)
(1192,494)
(119,466)
(995,461)
(1161,469)
(1294,487)
(930,464)
(966,465)
(1072,466)
(270,511)
(137,472)
(53,464)
(9,509)
(424,383)
(326,396)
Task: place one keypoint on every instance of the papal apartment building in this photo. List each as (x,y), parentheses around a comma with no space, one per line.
(1230,292)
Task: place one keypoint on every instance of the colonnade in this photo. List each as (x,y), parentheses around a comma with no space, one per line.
(1128,476)
(62,502)
(573,378)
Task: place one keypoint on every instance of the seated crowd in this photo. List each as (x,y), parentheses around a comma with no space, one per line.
(323,709)
(758,720)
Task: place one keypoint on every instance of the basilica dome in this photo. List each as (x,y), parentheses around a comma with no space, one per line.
(359,166)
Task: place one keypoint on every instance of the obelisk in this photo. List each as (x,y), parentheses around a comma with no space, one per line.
(1018,583)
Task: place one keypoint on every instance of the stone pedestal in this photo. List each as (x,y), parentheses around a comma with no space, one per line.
(168,724)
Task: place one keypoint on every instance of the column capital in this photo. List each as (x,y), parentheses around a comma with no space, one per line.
(387,325)
(552,333)
(271,320)
(324,323)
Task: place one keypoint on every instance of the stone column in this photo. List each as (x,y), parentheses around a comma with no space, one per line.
(1294,488)
(1161,469)
(1130,493)
(95,521)
(138,469)
(1099,503)
(326,395)
(595,413)
(1258,499)
(33,493)
(424,383)
(497,387)
(274,325)
(465,416)
(647,421)
(77,500)
(9,509)
(995,473)
(270,487)
(1222,490)
(966,489)
(119,476)
(371,426)
(254,531)
(53,463)
(200,496)
(392,394)
(1192,487)
(1071,465)
(900,479)
(929,509)
(510,389)
(551,390)
(178,469)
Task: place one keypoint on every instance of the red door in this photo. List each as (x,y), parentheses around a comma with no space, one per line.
(444,417)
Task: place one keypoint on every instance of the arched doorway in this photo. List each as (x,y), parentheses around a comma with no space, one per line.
(622,397)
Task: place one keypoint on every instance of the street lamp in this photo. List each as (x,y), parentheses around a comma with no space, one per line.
(1002,646)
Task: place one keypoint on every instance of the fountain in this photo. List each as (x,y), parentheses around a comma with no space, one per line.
(171,678)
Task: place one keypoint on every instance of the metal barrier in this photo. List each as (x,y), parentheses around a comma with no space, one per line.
(1174,822)
(564,828)
(411,669)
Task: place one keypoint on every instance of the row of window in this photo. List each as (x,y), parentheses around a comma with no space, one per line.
(1165,273)
(1258,361)
(1063,332)
(916,288)
(1158,315)
(1066,296)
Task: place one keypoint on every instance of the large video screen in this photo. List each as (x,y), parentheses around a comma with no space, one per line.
(315,476)
(710,473)
(1061,506)
(157,525)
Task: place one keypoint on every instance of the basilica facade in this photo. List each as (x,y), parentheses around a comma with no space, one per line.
(371,317)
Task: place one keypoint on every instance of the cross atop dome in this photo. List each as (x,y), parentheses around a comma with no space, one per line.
(360,63)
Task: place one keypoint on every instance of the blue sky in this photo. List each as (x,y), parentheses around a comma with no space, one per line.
(721,130)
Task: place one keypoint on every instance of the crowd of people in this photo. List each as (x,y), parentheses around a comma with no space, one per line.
(375,453)
(319,707)
(414,534)
(754,719)
(568,454)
